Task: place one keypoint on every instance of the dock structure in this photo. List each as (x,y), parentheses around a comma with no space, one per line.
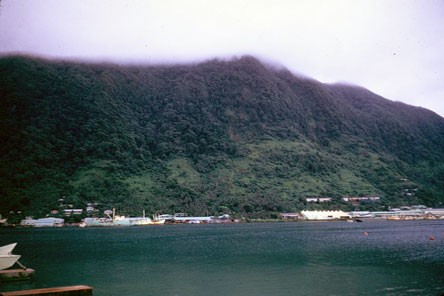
(10,275)
(60,291)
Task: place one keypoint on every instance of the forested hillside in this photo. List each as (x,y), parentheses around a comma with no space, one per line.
(233,136)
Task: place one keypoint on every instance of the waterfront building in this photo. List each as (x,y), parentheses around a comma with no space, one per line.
(438,213)
(192,220)
(324,215)
(164,217)
(27,222)
(361,214)
(289,216)
(42,222)
(398,213)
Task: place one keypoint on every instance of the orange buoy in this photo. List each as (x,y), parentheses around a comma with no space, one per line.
(432,237)
(366,233)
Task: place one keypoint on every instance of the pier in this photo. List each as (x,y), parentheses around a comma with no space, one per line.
(60,291)
(10,275)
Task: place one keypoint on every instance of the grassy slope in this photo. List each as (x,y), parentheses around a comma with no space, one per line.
(278,175)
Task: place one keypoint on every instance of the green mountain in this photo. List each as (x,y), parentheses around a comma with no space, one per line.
(220,136)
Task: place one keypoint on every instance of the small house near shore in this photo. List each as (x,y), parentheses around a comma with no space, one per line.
(361,198)
(318,199)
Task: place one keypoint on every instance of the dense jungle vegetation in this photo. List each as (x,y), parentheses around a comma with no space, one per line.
(236,136)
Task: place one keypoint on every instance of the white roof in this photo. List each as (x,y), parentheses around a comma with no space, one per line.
(193,218)
(50,220)
(324,215)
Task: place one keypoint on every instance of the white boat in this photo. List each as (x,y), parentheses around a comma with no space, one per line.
(7,261)
(158,222)
(116,220)
(120,221)
(140,221)
(7,250)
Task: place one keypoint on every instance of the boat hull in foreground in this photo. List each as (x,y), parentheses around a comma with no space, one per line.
(7,250)
(7,261)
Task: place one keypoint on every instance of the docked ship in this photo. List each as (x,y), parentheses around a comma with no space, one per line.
(116,220)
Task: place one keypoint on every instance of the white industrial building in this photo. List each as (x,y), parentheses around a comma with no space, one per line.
(324,215)
(42,222)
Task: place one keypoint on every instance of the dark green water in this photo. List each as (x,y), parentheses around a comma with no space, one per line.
(397,258)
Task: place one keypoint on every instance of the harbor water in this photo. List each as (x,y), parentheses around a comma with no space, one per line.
(309,258)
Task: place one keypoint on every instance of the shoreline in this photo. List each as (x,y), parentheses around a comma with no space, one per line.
(250,221)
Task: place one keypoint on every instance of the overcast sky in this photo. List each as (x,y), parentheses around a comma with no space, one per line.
(393,48)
